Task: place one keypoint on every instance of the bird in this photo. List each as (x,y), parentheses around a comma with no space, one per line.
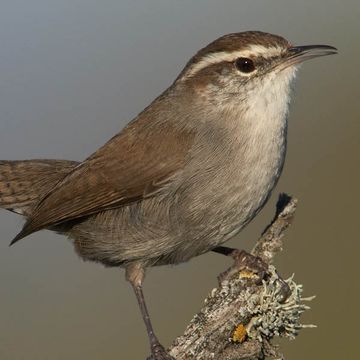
(184,176)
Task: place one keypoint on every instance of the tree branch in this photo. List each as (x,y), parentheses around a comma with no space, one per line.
(242,315)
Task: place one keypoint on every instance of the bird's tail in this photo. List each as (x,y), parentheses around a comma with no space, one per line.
(24,183)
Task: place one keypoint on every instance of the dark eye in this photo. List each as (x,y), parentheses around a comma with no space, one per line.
(245,65)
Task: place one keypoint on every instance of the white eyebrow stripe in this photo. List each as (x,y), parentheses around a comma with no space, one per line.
(217,57)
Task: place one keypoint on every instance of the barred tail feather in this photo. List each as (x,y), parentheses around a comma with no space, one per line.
(24,183)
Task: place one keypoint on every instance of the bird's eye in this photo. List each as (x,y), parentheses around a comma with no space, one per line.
(245,65)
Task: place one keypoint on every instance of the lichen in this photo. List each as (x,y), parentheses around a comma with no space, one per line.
(239,335)
(271,315)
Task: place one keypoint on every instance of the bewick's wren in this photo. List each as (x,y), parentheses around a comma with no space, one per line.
(186,175)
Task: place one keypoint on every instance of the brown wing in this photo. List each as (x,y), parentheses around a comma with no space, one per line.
(133,164)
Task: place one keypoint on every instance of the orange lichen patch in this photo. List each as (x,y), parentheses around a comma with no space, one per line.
(245,274)
(239,334)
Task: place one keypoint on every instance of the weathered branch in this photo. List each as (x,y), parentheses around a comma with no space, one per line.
(241,316)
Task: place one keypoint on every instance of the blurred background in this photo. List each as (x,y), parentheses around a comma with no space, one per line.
(73,73)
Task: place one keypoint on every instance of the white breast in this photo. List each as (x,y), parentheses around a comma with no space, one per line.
(234,166)
(262,147)
(260,132)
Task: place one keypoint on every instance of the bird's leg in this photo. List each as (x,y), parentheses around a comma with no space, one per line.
(248,262)
(243,261)
(135,274)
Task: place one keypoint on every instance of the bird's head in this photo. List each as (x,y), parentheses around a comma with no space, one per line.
(247,67)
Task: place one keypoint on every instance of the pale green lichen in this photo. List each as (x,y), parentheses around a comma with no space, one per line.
(271,316)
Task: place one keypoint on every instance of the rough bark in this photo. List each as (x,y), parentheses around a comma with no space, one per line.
(241,316)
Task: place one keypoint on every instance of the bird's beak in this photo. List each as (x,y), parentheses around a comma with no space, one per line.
(298,54)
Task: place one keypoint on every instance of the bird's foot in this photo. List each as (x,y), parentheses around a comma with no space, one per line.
(248,265)
(159,353)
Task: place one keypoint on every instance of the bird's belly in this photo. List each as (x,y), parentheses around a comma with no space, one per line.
(184,223)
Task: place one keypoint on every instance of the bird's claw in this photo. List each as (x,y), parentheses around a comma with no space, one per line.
(159,353)
(243,261)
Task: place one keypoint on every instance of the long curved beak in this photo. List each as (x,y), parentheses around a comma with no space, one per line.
(298,54)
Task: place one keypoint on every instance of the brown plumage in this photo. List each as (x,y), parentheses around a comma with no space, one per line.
(24,183)
(186,175)
(130,167)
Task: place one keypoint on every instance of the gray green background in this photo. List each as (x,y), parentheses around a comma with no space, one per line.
(73,73)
